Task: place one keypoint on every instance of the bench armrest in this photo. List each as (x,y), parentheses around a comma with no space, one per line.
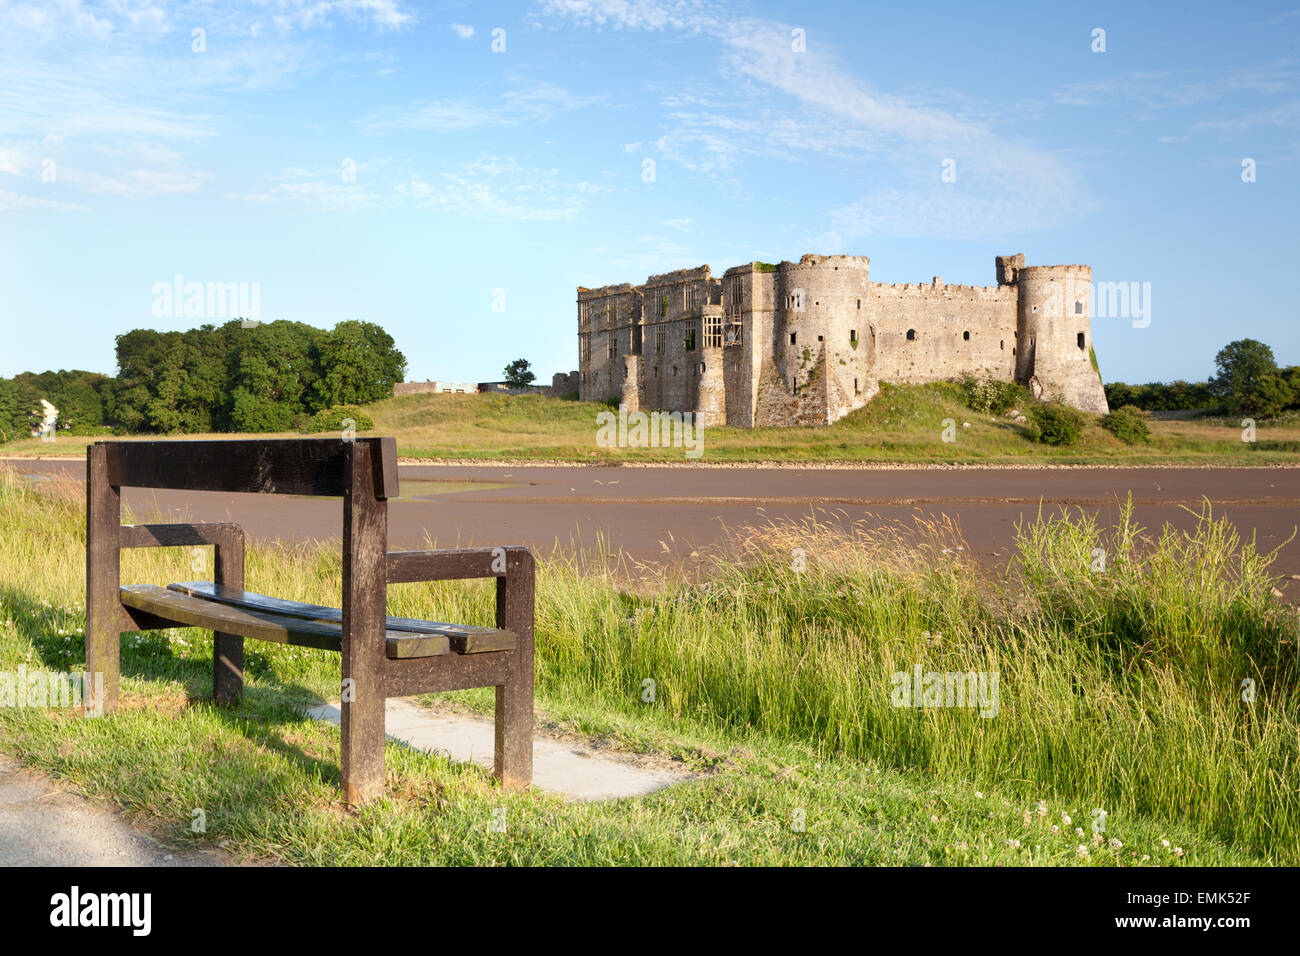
(221,533)
(405,567)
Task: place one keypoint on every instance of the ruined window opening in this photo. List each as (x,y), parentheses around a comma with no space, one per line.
(663,305)
(1035,308)
(820,339)
(859,303)
(792,335)
(965,336)
(1002,344)
(853,336)
(688,343)
(733,334)
(674,369)
(855,387)
(613,343)
(1082,342)
(584,343)
(701,368)
(911,335)
(1013,350)
(1078,308)
(713,331)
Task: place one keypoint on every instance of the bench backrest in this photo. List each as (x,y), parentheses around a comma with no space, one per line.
(284,466)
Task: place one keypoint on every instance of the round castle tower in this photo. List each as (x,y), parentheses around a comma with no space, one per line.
(818,302)
(1054,336)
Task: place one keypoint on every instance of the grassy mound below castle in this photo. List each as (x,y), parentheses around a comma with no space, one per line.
(902,424)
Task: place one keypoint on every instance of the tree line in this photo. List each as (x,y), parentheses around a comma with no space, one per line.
(1248,382)
(227,378)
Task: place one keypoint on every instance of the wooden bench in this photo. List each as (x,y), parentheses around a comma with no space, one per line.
(382,656)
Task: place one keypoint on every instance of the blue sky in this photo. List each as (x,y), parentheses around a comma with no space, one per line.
(507,177)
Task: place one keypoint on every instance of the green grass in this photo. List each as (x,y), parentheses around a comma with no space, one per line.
(903,424)
(1117,690)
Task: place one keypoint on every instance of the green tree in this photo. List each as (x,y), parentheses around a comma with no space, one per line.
(358,363)
(1248,381)
(518,374)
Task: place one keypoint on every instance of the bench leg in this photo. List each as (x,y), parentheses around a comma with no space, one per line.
(228,649)
(362,763)
(365,618)
(513,760)
(227,668)
(103,602)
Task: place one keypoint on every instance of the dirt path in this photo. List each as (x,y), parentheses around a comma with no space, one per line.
(45,823)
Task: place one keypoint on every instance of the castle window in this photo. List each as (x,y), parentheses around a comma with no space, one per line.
(663,305)
(1035,308)
(713,331)
(911,335)
(819,338)
(1082,341)
(584,346)
(1013,350)
(855,387)
(733,333)
(1078,308)
(674,369)
(661,331)
(688,343)
(612,344)
(792,335)
(1002,344)
(853,336)
(859,303)
(965,336)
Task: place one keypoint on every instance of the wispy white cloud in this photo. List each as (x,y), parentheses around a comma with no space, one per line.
(463,30)
(11,201)
(827,109)
(496,188)
(534,103)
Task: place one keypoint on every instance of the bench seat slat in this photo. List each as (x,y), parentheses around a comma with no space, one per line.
(189,611)
(464,639)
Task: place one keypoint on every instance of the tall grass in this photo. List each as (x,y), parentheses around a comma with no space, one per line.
(1121,687)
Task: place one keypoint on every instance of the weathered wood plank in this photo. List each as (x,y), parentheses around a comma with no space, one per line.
(178,535)
(103,568)
(228,649)
(452,672)
(464,638)
(406,567)
(516,597)
(288,466)
(365,612)
(187,611)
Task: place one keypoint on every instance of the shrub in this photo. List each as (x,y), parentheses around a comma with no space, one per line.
(1127,424)
(331,419)
(992,396)
(1056,424)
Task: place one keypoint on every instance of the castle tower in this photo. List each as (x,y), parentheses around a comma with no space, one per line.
(1054,335)
(819,316)
(710,395)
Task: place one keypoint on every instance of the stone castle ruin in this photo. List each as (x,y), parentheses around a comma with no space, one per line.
(807,342)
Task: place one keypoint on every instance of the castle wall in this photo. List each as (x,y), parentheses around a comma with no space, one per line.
(956,330)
